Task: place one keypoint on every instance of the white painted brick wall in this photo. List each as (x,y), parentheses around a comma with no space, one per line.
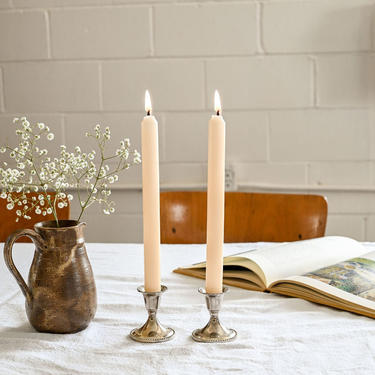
(100,33)
(319,135)
(51,86)
(23,35)
(174,84)
(344,80)
(261,82)
(317,26)
(205,30)
(296,79)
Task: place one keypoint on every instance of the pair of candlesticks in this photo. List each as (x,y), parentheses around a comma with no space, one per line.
(152,331)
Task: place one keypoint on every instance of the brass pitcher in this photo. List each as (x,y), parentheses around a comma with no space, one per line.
(61,293)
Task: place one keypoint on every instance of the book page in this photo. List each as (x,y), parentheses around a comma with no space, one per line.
(300,257)
(351,280)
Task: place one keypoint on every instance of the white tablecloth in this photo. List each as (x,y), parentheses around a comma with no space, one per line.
(276,335)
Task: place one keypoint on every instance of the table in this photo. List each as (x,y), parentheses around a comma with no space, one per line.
(276,335)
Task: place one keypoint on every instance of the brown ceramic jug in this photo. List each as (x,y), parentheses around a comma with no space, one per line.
(61,294)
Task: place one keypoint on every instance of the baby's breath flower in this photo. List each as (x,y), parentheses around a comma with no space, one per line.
(36,171)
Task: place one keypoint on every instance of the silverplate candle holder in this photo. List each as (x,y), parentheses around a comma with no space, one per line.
(152,330)
(214,331)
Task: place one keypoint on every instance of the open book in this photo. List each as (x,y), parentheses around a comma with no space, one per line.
(334,271)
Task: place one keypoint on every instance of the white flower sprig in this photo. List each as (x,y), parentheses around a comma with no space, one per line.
(89,174)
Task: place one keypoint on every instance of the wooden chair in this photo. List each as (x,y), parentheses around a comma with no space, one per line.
(8,222)
(249,217)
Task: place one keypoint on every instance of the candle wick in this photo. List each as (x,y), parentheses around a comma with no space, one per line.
(218,112)
(148,113)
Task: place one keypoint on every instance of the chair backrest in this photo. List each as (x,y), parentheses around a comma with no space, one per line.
(249,217)
(8,222)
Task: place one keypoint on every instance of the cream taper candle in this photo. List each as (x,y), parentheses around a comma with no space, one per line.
(151,199)
(215,200)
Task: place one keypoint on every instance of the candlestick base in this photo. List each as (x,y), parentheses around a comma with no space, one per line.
(152,331)
(214,331)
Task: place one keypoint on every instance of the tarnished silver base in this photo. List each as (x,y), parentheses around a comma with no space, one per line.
(214,331)
(152,330)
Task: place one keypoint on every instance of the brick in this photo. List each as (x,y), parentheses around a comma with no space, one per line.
(270,173)
(23,35)
(51,86)
(246,136)
(317,26)
(1,91)
(186,137)
(344,80)
(370,228)
(75,3)
(346,225)
(208,24)
(4,4)
(339,173)
(372,172)
(100,32)
(372,134)
(118,228)
(261,82)
(58,3)
(350,202)
(319,135)
(182,175)
(174,85)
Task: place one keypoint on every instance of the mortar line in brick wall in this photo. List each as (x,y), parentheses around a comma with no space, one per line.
(255,55)
(152,30)
(259,28)
(100,87)
(48,34)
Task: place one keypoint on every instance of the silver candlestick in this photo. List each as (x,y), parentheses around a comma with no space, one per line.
(152,330)
(214,331)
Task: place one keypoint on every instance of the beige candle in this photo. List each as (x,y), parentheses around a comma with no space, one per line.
(215,200)
(151,199)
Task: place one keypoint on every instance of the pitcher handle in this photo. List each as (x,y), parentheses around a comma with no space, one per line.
(38,241)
